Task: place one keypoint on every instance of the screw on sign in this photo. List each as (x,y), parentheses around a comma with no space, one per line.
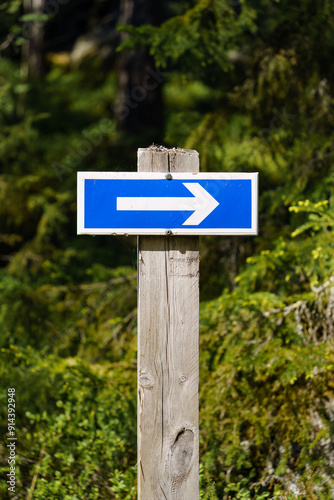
(168,204)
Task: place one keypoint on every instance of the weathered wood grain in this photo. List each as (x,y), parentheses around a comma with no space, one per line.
(168,310)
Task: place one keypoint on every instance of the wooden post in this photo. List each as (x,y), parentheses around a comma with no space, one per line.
(168,324)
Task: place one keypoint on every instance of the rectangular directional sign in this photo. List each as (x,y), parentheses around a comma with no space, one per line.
(176,203)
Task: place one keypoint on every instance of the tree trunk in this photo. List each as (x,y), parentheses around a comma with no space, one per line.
(139,102)
(34,32)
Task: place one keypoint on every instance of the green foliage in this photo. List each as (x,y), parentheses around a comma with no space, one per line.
(197,39)
(99,323)
(272,368)
(75,426)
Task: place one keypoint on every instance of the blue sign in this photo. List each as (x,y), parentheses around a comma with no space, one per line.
(150,203)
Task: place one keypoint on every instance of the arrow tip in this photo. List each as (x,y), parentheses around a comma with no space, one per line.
(204,204)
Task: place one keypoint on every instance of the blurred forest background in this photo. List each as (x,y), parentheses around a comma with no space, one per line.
(248,84)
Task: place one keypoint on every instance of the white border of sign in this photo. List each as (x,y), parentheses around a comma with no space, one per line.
(155,176)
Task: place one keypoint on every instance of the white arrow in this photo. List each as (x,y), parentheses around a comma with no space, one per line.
(202,204)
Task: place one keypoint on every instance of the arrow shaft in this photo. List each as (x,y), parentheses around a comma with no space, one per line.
(156,204)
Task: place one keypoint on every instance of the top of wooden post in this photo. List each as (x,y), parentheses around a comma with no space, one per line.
(162,159)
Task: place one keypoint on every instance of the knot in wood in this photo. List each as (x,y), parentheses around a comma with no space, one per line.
(181,455)
(146,380)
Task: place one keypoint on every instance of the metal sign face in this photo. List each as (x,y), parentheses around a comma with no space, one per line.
(176,203)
